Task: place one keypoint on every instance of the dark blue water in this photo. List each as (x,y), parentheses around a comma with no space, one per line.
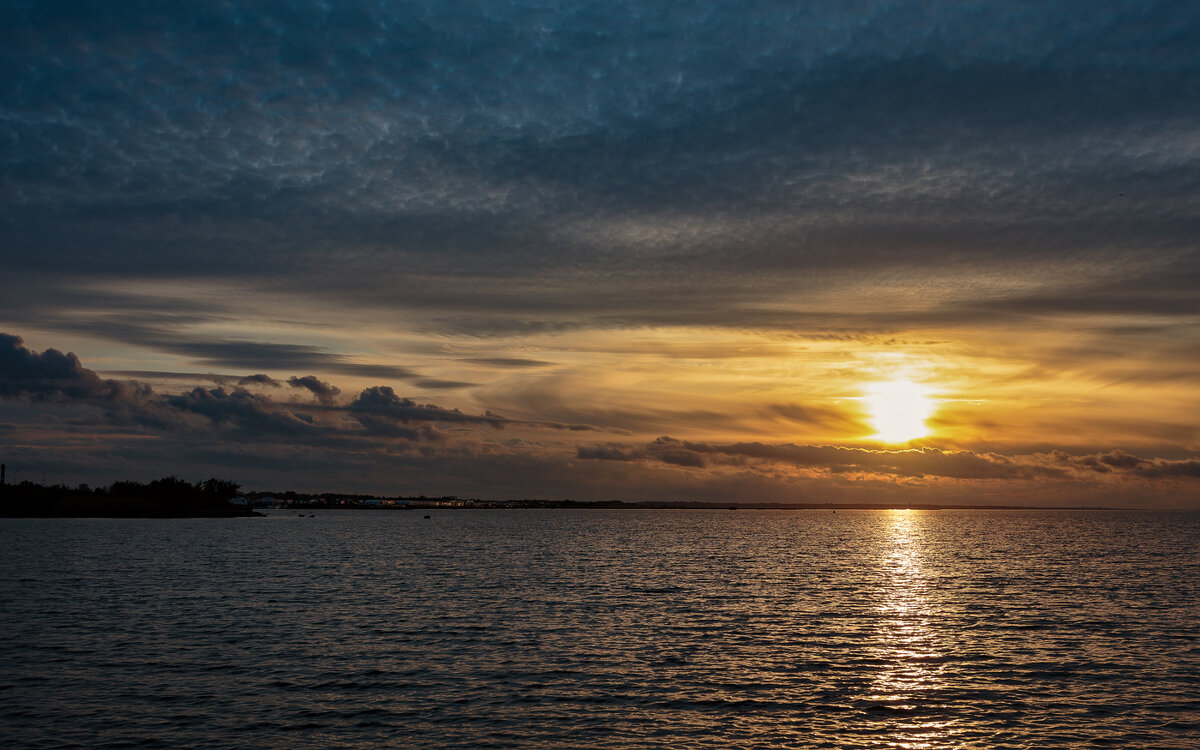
(856,629)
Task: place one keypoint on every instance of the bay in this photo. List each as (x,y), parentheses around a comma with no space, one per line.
(596,628)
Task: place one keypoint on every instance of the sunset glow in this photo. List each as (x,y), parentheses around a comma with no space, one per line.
(755,251)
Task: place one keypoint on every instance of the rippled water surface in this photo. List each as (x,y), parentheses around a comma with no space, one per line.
(559,628)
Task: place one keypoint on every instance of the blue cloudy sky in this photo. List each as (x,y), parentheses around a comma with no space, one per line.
(604,249)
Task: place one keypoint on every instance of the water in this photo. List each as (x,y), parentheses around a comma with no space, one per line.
(558,628)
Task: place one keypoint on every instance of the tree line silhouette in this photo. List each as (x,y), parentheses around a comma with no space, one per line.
(169,497)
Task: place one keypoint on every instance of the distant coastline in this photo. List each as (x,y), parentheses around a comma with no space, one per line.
(172,497)
(336,501)
(683,505)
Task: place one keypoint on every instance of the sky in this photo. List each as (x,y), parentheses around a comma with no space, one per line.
(623,250)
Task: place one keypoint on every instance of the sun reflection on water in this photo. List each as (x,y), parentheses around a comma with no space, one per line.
(905,693)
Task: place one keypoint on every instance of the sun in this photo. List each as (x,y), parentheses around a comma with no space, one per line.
(899,409)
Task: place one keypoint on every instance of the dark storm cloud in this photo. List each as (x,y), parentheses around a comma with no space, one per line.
(479,138)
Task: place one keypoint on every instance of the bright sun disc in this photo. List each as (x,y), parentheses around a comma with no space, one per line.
(899,409)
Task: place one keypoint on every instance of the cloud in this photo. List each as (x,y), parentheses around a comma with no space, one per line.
(436,384)
(227,353)
(260,379)
(498,142)
(523,171)
(1118,461)
(918,463)
(52,375)
(236,413)
(191,377)
(251,413)
(383,401)
(515,362)
(324,392)
(823,416)
(609,452)
(134,319)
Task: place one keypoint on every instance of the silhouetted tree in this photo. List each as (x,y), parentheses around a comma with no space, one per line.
(173,488)
(219,489)
(169,496)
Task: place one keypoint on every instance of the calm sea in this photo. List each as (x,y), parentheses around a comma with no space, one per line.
(561,628)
